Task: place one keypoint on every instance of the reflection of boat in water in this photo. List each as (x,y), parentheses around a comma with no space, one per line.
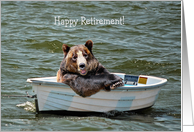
(138,92)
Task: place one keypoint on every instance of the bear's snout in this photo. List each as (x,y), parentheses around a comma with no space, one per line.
(82,66)
(82,69)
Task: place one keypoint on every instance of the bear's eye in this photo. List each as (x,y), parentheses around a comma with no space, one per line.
(74,58)
(85,55)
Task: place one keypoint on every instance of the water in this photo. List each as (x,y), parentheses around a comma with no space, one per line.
(148,43)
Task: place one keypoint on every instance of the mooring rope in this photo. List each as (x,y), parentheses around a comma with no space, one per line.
(29,96)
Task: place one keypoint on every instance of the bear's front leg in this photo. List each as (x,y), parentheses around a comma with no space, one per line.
(69,78)
(83,86)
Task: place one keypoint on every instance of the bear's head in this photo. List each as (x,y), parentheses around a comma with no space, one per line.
(79,59)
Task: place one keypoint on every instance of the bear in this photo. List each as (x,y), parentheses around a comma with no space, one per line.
(83,73)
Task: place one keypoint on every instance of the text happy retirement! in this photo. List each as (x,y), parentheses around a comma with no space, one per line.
(84,21)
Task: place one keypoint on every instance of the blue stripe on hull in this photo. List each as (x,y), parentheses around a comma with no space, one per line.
(62,97)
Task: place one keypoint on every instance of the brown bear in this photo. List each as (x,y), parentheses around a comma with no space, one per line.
(83,73)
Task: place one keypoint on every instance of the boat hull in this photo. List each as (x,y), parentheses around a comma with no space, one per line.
(55,96)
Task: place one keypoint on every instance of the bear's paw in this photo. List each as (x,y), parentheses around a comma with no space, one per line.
(117,84)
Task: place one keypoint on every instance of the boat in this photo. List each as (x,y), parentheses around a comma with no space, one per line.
(138,92)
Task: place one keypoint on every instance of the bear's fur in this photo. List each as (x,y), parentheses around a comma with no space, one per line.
(83,73)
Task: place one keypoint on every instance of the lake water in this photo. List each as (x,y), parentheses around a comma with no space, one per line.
(147,40)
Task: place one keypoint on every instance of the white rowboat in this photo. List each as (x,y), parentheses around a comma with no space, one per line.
(138,92)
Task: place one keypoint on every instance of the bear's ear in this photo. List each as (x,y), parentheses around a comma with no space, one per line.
(89,45)
(65,49)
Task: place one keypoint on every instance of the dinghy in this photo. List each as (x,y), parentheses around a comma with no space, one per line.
(138,92)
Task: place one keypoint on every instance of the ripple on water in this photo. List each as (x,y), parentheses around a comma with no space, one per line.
(28,106)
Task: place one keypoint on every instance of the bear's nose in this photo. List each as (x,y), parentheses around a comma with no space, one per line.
(82,65)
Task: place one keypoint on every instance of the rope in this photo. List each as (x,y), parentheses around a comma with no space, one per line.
(29,96)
